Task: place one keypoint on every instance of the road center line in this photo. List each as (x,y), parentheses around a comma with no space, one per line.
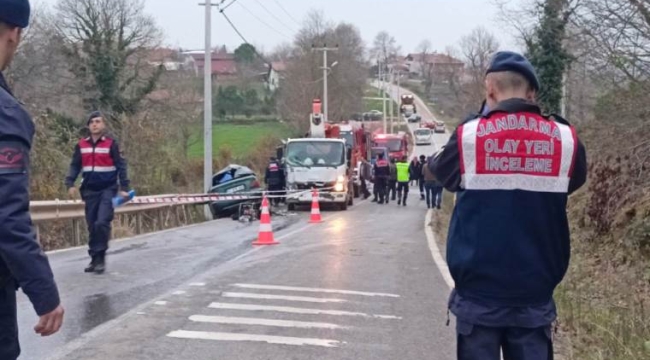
(295,310)
(306,289)
(281,297)
(281,340)
(264,322)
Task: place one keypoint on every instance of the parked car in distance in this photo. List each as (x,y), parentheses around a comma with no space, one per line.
(232,180)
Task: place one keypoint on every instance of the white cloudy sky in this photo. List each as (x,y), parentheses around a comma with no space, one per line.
(443,22)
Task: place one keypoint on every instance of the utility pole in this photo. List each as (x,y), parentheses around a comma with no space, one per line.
(207,105)
(383,95)
(325,68)
(391,74)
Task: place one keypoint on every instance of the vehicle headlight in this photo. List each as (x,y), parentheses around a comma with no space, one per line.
(340,179)
(339,187)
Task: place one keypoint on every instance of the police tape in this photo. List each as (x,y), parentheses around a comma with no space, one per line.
(205,198)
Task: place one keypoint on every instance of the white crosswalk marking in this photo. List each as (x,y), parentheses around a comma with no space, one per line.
(225,319)
(307,289)
(280,297)
(264,322)
(294,310)
(281,340)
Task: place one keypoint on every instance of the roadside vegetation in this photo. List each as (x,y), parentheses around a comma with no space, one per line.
(604,300)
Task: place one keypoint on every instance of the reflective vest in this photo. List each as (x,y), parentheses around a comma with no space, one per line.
(96,158)
(402,172)
(522,151)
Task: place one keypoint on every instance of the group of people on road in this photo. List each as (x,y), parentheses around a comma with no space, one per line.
(392,180)
(508,245)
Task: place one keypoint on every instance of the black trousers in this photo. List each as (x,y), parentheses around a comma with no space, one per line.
(364,188)
(9,345)
(391,189)
(486,343)
(380,186)
(402,192)
(99,216)
(278,187)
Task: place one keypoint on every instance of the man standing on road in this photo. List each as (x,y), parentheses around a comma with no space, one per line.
(274,179)
(22,261)
(103,170)
(432,188)
(403,178)
(391,189)
(382,172)
(365,174)
(420,174)
(509,243)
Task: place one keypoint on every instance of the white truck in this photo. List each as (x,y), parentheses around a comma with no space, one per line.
(320,161)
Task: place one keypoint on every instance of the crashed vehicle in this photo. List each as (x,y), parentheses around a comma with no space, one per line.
(235,179)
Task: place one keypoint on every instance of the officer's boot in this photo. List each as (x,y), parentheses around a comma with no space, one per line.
(100,265)
(91,267)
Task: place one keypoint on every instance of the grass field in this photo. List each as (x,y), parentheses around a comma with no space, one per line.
(241,139)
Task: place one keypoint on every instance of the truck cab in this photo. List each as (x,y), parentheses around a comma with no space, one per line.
(318,163)
(397,144)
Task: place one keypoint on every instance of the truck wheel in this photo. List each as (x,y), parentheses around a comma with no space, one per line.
(351,201)
(291,207)
(357,191)
(343,206)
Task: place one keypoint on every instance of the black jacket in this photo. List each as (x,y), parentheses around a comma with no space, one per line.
(21,257)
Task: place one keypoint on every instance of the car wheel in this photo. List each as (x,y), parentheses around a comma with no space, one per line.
(291,207)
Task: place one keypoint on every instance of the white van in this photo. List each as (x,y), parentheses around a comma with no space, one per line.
(423,136)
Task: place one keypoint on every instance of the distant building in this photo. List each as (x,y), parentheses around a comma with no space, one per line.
(224,65)
(439,63)
(171,59)
(276,72)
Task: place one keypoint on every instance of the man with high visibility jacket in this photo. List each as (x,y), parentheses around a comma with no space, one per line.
(403,178)
(103,170)
(512,169)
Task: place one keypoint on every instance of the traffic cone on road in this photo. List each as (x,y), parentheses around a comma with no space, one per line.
(315,209)
(265,236)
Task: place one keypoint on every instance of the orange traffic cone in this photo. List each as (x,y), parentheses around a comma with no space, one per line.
(315,208)
(265,236)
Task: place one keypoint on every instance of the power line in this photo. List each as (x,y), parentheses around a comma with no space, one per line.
(263,22)
(242,36)
(227,6)
(286,12)
(273,15)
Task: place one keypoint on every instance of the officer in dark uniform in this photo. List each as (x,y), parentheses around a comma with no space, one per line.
(382,173)
(512,169)
(104,175)
(22,262)
(274,179)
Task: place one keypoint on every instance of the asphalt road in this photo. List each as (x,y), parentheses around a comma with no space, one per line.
(360,285)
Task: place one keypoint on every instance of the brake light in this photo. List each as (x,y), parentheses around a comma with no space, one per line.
(255,184)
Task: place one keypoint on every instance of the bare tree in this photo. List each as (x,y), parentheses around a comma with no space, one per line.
(426,65)
(477,49)
(105,45)
(384,48)
(303,78)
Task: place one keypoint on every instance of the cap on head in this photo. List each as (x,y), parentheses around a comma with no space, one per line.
(511,61)
(422,157)
(94,114)
(15,12)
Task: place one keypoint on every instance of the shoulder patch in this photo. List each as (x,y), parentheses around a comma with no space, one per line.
(14,158)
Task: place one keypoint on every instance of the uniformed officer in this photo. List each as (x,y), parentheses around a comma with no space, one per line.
(382,173)
(22,262)
(104,175)
(404,171)
(509,243)
(274,178)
